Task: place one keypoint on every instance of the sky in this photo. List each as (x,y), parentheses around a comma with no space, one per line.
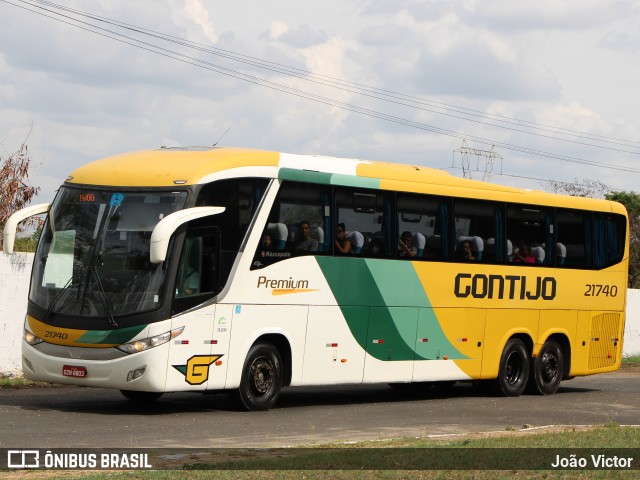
(407,81)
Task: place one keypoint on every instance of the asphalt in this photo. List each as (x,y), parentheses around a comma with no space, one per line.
(80,417)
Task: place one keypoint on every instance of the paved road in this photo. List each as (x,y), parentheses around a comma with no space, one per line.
(75,417)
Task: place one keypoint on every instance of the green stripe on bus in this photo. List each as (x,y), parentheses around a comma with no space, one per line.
(304,176)
(328,178)
(354,181)
(115,337)
(397,302)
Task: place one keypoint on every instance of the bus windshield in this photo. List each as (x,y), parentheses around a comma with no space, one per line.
(93,256)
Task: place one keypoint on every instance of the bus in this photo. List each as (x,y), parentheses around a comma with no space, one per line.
(218,269)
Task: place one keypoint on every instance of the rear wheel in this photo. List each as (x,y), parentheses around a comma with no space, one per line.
(547,369)
(261,378)
(514,368)
(141,397)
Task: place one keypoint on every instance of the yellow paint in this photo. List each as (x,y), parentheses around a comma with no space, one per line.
(198,368)
(61,336)
(493,321)
(161,168)
(290,291)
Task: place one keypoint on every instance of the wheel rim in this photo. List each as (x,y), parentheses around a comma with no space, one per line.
(261,374)
(549,367)
(514,369)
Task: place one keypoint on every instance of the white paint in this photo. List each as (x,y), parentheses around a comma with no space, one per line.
(14,288)
(632,326)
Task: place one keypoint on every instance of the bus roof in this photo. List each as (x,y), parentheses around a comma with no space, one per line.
(168,167)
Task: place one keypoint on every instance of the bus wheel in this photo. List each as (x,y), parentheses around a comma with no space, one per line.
(514,368)
(547,369)
(141,397)
(261,378)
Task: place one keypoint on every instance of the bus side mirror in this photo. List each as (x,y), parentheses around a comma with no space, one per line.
(169,224)
(11,227)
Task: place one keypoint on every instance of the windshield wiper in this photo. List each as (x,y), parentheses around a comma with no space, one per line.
(103,297)
(67,286)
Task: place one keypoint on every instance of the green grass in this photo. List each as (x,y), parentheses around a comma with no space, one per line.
(21,382)
(631,359)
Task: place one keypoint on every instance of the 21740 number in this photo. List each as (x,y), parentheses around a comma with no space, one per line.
(596,290)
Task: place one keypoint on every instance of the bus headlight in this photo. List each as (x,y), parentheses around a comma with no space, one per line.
(147,343)
(30,338)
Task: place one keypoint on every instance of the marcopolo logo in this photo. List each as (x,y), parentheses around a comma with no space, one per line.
(504,286)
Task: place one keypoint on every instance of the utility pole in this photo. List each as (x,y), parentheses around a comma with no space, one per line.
(484,159)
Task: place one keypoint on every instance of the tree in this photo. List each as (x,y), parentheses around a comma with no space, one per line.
(631,201)
(16,192)
(579,188)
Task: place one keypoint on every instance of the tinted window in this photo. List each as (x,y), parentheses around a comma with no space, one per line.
(475,228)
(528,228)
(574,238)
(366,215)
(299,224)
(425,218)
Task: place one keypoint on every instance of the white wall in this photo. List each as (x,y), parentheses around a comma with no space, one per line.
(632,327)
(14,288)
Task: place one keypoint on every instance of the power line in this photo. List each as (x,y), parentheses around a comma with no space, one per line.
(538,179)
(362,89)
(301,93)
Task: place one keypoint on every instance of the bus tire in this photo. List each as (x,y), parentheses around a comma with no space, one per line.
(262,377)
(141,397)
(547,369)
(513,373)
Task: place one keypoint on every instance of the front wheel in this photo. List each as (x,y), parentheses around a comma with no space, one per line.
(141,397)
(547,369)
(514,368)
(261,378)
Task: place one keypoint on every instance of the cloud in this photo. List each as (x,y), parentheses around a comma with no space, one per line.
(196,11)
(543,14)
(621,41)
(301,37)
(507,15)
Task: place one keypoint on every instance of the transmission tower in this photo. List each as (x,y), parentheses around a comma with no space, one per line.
(484,159)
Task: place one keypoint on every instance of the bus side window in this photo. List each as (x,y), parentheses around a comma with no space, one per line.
(190,270)
(530,225)
(574,232)
(198,274)
(368,221)
(424,217)
(299,224)
(609,239)
(475,223)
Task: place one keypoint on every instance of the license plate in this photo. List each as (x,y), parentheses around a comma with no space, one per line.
(71,371)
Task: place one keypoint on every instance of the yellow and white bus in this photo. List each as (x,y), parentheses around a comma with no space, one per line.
(209,269)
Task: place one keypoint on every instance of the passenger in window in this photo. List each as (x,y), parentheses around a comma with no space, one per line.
(306,242)
(467,252)
(343,246)
(523,255)
(405,246)
(191,282)
(266,242)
